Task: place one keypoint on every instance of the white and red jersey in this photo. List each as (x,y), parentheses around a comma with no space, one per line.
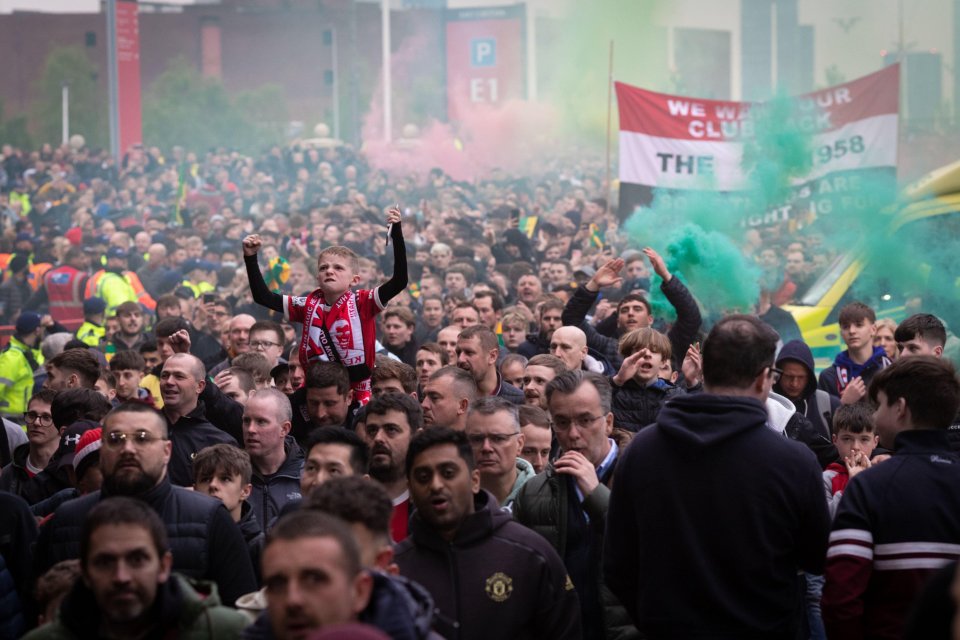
(349,322)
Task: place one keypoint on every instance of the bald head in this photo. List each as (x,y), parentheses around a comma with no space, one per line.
(157,252)
(239,330)
(570,345)
(188,362)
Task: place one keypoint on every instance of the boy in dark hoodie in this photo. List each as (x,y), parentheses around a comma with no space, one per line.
(798,383)
(223,471)
(853,369)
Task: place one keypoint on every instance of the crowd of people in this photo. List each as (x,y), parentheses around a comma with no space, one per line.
(288,396)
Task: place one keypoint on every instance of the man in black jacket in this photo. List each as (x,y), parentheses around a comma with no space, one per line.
(205,541)
(489,576)
(274,454)
(550,321)
(633,310)
(181,382)
(712,513)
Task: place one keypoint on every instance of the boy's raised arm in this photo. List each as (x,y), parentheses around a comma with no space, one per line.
(261,294)
(398,282)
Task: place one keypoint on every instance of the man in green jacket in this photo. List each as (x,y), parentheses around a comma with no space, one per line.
(127,588)
(567,502)
(18,362)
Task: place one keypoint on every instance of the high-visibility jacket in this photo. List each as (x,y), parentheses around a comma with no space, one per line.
(65,295)
(91,334)
(198,289)
(17,364)
(112,287)
(24,200)
(143,296)
(37,271)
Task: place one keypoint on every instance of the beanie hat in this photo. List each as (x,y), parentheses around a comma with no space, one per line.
(87,451)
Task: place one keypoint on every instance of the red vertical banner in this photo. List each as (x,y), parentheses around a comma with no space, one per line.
(128,74)
(210,49)
(485,57)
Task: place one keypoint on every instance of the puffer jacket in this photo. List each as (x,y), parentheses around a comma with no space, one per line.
(495,579)
(188,610)
(636,406)
(12,624)
(542,506)
(205,541)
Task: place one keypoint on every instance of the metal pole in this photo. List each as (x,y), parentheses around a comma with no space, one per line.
(354,100)
(112,78)
(387,78)
(334,62)
(609,186)
(531,53)
(64,113)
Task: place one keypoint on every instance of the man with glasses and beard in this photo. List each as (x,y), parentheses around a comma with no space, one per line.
(135,451)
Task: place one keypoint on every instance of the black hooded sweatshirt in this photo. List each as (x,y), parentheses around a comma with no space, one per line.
(712,514)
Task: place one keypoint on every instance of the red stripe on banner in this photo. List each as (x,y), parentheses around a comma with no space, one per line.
(669,116)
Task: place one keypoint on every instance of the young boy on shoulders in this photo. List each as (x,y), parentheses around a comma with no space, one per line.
(338,323)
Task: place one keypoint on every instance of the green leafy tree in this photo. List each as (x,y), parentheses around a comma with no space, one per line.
(14,131)
(184,108)
(88,104)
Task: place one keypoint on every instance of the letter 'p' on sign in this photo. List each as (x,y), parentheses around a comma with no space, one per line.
(483,52)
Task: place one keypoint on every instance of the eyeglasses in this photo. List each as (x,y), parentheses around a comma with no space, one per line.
(263,344)
(32,416)
(496,439)
(775,374)
(561,423)
(140,439)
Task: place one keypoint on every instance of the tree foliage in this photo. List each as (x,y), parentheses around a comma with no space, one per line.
(184,108)
(88,103)
(13,131)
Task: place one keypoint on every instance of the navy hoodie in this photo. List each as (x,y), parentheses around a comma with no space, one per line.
(712,513)
(835,378)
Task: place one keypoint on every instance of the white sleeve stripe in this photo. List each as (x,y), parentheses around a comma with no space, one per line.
(851,534)
(911,563)
(376,297)
(898,548)
(286,307)
(850,550)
